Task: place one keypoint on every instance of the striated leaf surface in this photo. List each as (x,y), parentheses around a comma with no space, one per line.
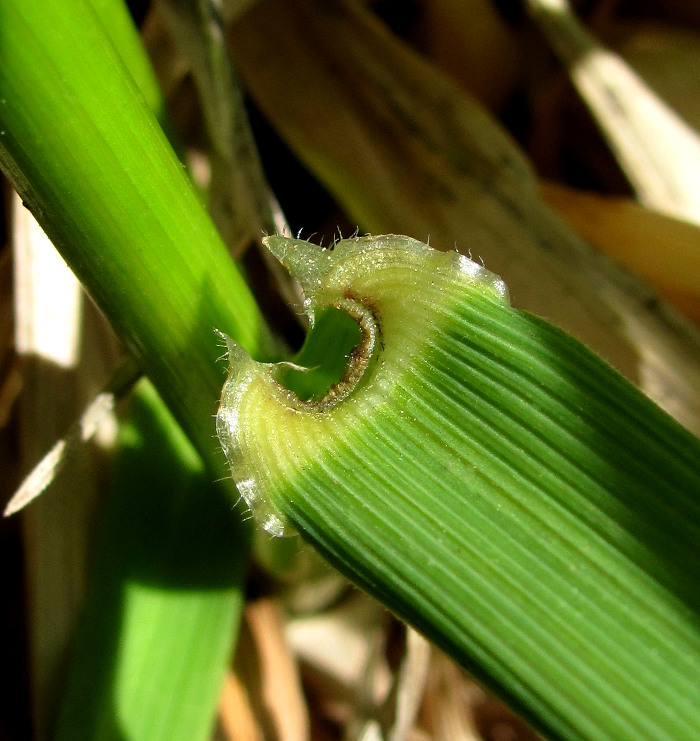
(493,482)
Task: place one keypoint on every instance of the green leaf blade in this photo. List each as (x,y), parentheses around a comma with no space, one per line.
(89,159)
(81,147)
(499,487)
(161,616)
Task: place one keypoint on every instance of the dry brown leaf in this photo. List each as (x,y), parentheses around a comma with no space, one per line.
(66,351)
(237,721)
(10,375)
(662,250)
(448,708)
(266,688)
(667,58)
(457,709)
(410,683)
(657,150)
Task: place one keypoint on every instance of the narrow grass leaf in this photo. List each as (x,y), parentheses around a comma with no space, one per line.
(657,150)
(162,612)
(240,201)
(88,158)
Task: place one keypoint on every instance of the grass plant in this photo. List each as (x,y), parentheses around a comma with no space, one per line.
(479,471)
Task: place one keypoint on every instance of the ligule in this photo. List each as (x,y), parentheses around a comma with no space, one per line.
(495,484)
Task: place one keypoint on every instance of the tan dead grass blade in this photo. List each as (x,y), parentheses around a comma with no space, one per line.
(65,352)
(263,698)
(10,375)
(404,150)
(662,250)
(657,150)
(409,686)
(236,721)
(457,709)
(450,699)
(667,58)
(97,417)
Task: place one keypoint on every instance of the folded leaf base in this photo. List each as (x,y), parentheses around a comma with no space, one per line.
(493,482)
